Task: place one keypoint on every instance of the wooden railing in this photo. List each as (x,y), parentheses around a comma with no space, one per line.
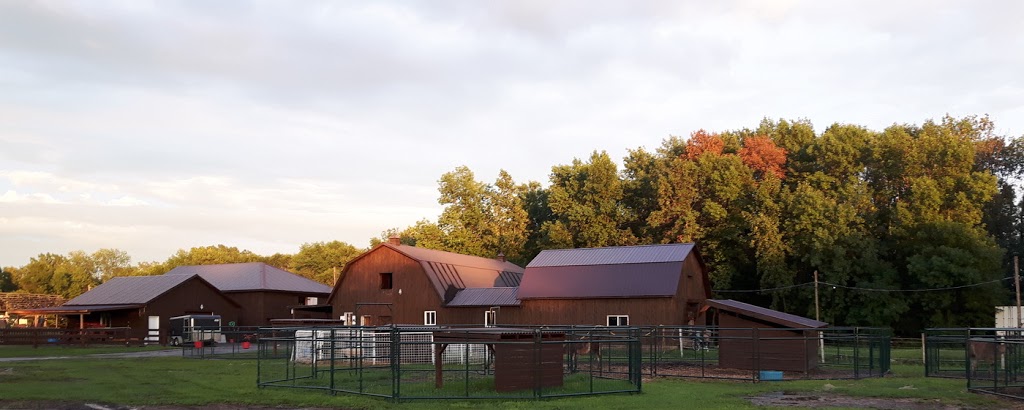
(50,336)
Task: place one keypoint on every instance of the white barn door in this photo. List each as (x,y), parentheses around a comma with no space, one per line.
(154,329)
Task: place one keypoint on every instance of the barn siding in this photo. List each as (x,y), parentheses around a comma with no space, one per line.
(786,350)
(259,307)
(641,311)
(179,301)
(361,284)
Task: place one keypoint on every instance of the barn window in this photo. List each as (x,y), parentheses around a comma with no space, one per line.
(385,281)
(430,318)
(618,320)
(490,318)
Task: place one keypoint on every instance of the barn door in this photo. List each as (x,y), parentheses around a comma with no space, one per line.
(154,329)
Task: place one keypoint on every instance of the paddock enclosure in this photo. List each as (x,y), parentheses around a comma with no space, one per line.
(537,362)
(991,360)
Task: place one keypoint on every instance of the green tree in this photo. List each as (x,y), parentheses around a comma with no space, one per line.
(111,263)
(508,218)
(586,201)
(279,260)
(74,276)
(209,255)
(7,280)
(465,219)
(320,261)
(534,198)
(423,234)
(35,276)
(642,175)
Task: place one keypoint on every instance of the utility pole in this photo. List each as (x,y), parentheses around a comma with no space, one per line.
(335,276)
(817,313)
(1016,284)
(817,316)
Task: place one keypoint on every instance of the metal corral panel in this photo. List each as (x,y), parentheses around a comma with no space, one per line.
(613,255)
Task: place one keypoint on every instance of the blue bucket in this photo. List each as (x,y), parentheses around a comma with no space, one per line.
(771,375)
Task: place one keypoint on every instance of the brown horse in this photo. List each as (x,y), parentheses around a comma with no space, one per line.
(581,346)
(986,351)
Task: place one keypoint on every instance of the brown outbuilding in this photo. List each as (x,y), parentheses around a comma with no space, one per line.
(756,338)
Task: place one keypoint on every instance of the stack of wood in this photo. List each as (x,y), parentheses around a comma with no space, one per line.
(10,301)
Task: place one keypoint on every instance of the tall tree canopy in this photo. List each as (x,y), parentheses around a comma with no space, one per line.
(877,213)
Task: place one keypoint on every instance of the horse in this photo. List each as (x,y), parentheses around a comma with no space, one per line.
(583,345)
(987,351)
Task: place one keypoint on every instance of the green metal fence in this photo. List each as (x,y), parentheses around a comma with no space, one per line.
(990,359)
(757,354)
(417,363)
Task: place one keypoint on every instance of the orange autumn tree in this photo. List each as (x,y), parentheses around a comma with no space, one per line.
(763,156)
(701,142)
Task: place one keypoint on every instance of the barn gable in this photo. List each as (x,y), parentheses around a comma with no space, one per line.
(450,273)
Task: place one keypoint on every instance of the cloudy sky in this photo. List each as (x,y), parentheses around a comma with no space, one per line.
(157,126)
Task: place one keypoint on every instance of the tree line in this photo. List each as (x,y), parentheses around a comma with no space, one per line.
(913,226)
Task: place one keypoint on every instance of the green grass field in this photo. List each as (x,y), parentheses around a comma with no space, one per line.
(182,382)
(61,351)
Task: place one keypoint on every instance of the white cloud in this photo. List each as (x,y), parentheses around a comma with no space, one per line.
(154,126)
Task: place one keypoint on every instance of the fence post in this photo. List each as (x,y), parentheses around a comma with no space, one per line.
(755,342)
(396,358)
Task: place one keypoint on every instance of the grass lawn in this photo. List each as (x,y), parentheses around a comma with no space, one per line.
(182,382)
(59,351)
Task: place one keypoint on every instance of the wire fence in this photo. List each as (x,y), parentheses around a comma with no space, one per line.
(448,363)
(535,362)
(767,354)
(990,359)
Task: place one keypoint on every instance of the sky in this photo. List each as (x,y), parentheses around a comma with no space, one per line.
(151,127)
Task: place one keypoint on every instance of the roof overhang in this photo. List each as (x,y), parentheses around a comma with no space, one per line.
(765,314)
(74,309)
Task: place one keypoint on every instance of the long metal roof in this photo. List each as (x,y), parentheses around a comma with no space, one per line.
(127,290)
(765,314)
(614,272)
(252,276)
(68,309)
(485,297)
(616,255)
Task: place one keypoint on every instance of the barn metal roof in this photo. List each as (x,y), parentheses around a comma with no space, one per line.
(454,270)
(125,290)
(616,255)
(252,276)
(765,314)
(615,272)
(485,297)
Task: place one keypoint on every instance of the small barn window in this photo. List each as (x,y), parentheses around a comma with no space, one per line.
(618,320)
(386,281)
(490,318)
(430,318)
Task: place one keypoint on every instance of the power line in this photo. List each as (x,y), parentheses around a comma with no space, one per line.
(836,285)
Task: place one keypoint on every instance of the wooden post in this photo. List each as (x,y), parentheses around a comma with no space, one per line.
(924,357)
(439,365)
